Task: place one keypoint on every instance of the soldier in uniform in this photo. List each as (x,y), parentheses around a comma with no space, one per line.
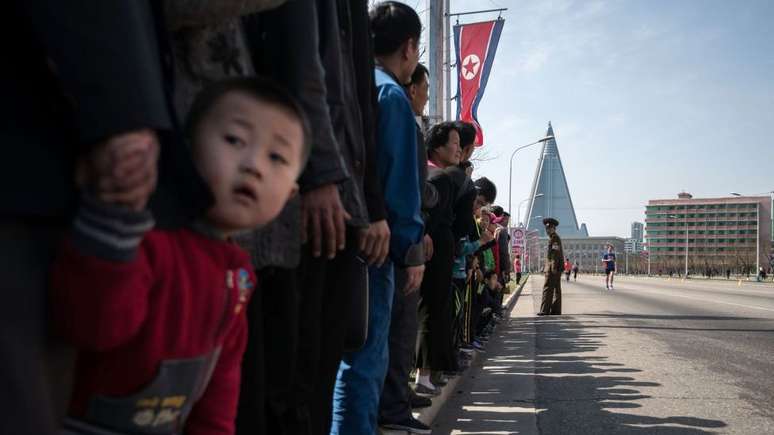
(552,288)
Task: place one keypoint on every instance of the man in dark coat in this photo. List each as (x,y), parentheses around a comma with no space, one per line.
(80,76)
(552,288)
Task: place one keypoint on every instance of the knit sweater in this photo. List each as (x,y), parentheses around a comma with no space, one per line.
(131,300)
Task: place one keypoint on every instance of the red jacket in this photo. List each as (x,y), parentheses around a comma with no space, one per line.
(183,295)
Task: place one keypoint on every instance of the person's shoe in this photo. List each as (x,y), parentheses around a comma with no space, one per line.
(417,401)
(438,379)
(410,425)
(542,313)
(466,350)
(477,345)
(423,390)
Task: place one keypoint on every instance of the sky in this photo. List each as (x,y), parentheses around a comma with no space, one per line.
(646,98)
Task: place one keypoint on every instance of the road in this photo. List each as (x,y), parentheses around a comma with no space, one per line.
(653,356)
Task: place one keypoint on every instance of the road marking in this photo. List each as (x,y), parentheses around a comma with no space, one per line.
(706,300)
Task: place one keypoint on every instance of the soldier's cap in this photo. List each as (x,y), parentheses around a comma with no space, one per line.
(550,222)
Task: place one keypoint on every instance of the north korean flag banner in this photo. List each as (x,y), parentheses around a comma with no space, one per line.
(475,46)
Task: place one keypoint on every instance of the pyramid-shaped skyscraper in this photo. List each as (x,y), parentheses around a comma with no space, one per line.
(555,200)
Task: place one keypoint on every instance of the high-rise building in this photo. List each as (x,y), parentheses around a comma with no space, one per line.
(720,233)
(633,246)
(638,231)
(550,196)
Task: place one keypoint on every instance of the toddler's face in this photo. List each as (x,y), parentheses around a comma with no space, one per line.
(249,153)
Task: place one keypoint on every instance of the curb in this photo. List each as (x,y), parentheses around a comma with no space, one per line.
(427,415)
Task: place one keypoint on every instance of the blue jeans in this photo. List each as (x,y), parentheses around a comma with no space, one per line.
(361,374)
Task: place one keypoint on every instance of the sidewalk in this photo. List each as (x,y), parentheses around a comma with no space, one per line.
(497,393)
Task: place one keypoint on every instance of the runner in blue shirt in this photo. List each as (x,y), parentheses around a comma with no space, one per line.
(609,261)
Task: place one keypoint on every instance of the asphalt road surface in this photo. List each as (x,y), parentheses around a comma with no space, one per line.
(653,356)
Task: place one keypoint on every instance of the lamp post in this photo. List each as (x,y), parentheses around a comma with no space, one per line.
(518,208)
(510,167)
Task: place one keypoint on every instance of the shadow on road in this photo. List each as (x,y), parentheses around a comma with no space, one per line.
(574,392)
(584,394)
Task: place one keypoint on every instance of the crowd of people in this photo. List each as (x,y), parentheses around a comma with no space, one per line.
(229,217)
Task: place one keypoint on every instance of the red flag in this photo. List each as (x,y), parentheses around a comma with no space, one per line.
(475,44)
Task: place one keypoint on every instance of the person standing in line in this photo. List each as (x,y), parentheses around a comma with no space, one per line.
(397,399)
(567,268)
(65,93)
(125,293)
(552,288)
(435,340)
(503,244)
(395,33)
(575,271)
(608,259)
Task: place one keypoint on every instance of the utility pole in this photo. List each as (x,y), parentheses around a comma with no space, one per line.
(435,58)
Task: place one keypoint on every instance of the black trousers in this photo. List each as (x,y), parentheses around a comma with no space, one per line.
(326,290)
(435,340)
(395,403)
(35,369)
(460,313)
(271,356)
(552,294)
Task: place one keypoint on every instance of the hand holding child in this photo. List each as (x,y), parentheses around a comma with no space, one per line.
(122,170)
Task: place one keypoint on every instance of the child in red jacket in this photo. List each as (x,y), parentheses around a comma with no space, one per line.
(158,316)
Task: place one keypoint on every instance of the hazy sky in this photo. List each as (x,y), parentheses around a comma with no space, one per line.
(647,98)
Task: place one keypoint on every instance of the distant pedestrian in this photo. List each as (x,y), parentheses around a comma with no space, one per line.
(552,288)
(567,269)
(517,269)
(608,259)
(728,273)
(575,272)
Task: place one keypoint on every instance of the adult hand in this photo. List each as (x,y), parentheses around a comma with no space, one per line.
(123,169)
(375,242)
(414,281)
(323,220)
(427,242)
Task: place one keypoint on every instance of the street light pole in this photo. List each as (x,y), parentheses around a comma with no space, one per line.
(518,208)
(757,239)
(510,167)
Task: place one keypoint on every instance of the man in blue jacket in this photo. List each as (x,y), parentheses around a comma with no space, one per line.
(395,29)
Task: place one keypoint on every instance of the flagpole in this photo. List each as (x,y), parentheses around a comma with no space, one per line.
(447,70)
(485,11)
(435,60)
